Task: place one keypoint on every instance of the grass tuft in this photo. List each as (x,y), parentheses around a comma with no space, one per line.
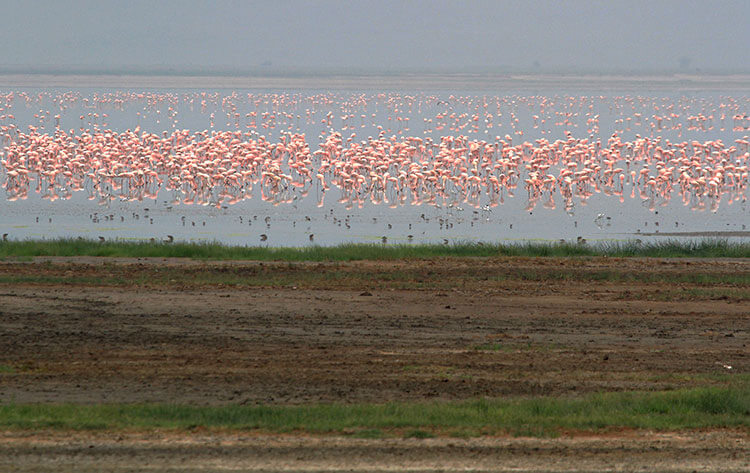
(419,434)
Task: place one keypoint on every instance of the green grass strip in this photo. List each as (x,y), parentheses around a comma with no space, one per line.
(710,407)
(707,248)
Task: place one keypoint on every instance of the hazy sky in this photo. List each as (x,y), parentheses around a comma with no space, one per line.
(378,35)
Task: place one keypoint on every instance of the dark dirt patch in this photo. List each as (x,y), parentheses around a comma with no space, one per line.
(455,337)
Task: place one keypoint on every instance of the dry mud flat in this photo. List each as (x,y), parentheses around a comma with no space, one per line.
(624,452)
(347,333)
(367,332)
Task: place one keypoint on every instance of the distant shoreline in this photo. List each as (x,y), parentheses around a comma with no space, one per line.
(708,234)
(419,82)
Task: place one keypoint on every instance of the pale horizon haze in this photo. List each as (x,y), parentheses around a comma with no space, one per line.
(383,36)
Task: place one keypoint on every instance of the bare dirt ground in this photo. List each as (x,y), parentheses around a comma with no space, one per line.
(448,334)
(159,451)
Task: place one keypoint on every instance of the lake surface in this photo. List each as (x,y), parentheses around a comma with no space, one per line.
(483,125)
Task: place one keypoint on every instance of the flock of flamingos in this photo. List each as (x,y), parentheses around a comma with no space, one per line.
(473,150)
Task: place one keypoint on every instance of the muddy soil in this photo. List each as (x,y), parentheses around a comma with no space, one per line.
(219,345)
(723,451)
(453,336)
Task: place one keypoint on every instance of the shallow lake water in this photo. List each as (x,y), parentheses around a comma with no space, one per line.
(307,214)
